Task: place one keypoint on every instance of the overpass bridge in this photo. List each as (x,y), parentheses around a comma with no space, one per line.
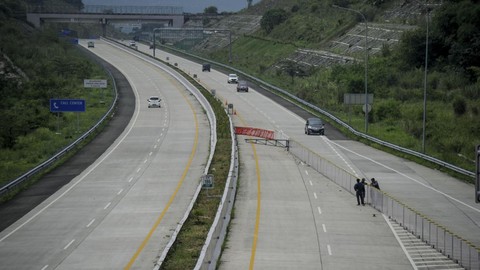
(170,16)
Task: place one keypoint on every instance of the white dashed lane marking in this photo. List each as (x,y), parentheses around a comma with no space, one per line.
(90,223)
(106,206)
(69,244)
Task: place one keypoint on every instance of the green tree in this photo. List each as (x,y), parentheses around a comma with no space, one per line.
(456,34)
(272,18)
(210,10)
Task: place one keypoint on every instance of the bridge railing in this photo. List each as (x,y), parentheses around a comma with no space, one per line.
(105,9)
(461,251)
(171,10)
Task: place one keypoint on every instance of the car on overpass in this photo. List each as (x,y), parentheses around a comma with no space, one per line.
(91,44)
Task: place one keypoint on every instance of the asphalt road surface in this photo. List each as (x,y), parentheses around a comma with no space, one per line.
(288,216)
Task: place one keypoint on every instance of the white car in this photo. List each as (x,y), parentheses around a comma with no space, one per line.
(154,101)
(232,78)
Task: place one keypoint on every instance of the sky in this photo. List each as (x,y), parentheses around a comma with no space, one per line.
(190,6)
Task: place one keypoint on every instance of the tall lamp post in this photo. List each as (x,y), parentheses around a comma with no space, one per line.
(425,82)
(427,19)
(366,62)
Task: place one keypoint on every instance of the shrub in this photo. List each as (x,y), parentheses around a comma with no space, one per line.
(387,109)
(272,18)
(459,106)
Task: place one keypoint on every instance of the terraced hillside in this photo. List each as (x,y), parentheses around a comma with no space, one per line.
(346,48)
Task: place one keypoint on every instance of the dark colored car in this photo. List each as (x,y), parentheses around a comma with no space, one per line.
(242,86)
(314,126)
(206,67)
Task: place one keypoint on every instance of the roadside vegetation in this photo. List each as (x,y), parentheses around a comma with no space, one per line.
(189,243)
(34,68)
(395,75)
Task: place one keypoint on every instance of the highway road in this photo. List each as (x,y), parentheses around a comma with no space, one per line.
(120,212)
(288,216)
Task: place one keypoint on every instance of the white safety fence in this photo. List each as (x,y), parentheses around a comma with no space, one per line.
(438,237)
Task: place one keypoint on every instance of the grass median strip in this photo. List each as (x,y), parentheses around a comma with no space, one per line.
(186,249)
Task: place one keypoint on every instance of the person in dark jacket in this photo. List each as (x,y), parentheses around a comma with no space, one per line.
(375,183)
(359,192)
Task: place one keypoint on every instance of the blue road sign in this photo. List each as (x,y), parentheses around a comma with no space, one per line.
(67,105)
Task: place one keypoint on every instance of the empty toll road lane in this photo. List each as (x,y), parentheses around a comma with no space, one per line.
(120,211)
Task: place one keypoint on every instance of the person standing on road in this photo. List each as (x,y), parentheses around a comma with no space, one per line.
(359,192)
(375,183)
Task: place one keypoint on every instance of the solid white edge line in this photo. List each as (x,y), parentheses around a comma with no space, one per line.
(408,177)
(400,242)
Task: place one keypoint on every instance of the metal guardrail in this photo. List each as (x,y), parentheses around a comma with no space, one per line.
(24,177)
(333,118)
(461,251)
(212,247)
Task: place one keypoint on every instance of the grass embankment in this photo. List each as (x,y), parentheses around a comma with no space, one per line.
(398,98)
(186,249)
(34,73)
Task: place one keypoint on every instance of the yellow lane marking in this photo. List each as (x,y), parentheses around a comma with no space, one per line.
(259,203)
(170,201)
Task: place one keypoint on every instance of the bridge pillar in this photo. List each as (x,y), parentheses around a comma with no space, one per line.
(104,27)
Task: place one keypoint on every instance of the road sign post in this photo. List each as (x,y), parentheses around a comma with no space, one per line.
(207,181)
(477,175)
(96,83)
(67,105)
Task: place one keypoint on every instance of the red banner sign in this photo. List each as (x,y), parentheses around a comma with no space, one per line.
(255,132)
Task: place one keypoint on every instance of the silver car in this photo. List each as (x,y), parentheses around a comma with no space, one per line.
(232,78)
(153,102)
